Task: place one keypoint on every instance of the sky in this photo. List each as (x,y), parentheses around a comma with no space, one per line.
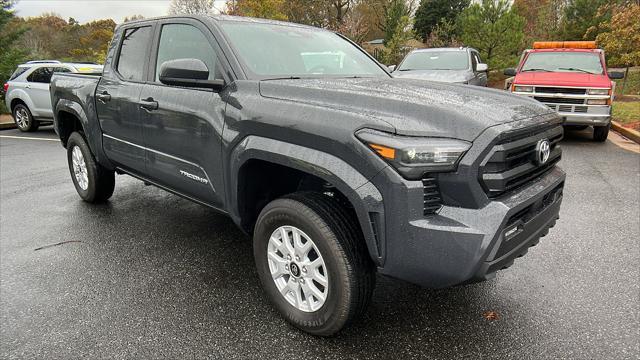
(88,10)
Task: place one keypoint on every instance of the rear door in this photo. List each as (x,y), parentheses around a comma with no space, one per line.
(183,129)
(118,97)
(37,87)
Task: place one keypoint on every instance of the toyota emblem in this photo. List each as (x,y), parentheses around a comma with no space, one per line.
(543,150)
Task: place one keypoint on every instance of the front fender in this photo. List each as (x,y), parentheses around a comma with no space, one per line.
(363,195)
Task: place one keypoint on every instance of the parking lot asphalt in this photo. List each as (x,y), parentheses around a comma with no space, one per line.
(150,275)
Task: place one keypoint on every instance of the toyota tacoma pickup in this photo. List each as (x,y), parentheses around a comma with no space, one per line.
(571,78)
(335,169)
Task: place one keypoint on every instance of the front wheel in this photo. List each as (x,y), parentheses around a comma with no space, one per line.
(600,133)
(312,262)
(93,182)
(23,118)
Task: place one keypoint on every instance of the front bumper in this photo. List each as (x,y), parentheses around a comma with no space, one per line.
(586,119)
(461,245)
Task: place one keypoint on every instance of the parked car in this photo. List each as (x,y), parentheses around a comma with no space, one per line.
(571,78)
(27,91)
(452,65)
(329,165)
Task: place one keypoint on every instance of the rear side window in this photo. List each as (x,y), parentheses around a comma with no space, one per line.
(181,41)
(41,75)
(19,71)
(133,53)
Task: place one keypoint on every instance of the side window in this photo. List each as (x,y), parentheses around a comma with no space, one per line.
(61,70)
(41,75)
(133,53)
(477,58)
(181,41)
(19,71)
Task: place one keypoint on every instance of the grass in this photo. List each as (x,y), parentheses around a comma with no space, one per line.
(627,112)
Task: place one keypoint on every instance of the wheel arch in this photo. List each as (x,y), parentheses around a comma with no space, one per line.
(247,164)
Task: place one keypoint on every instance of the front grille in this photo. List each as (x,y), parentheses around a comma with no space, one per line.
(512,161)
(559,100)
(580,109)
(559,90)
(432,197)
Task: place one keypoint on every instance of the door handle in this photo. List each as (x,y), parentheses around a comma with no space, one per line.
(104,98)
(149,104)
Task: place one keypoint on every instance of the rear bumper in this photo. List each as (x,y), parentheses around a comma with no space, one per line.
(461,245)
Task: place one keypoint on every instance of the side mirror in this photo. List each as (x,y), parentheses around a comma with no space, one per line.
(616,75)
(392,68)
(482,67)
(510,72)
(188,73)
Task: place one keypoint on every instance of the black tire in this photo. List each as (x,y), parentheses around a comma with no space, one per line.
(101,181)
(337,236)
(23,119)
(600,133)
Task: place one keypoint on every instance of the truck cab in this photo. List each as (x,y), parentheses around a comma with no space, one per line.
(571,78)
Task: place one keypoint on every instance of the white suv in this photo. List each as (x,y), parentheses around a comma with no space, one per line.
(27,91)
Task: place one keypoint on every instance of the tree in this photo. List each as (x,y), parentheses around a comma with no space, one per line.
(622,38)
(10,54)
(396,47)
(191,7)
(431,12)
(392,13)
(266,9)
(133,18)
(494,29)
(542,18)
(443,35)
(580,16)
(354,26)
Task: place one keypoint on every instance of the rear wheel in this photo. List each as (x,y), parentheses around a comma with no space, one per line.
(312,262)
(93,182)
(23,118)
(600,133)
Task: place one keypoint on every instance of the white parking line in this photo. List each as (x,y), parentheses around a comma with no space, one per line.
(27,138)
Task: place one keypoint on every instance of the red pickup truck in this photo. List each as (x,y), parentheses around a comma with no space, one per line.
(570,77)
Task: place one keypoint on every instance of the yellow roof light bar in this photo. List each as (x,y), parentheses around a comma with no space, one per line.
(564,45)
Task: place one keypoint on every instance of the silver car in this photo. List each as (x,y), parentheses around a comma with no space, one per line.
(452,65)
(27,91)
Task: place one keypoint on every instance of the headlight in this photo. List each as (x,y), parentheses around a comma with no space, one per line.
(597,102)
(414,156)
(597,91)
(520,88)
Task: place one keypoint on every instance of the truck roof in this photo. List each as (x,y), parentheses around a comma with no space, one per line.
(225,18)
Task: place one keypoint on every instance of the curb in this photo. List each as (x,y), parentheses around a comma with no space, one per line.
(628,133)
(7,125)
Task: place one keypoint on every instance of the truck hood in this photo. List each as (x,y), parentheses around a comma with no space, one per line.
(414,107)
(563,79)
(448,76)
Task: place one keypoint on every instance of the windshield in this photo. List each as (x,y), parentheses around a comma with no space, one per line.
(436,60)
(564,62)
(275,51)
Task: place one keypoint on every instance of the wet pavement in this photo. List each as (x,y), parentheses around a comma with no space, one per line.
(150,275)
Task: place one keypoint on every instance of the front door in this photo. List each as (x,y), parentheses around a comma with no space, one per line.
(38,83)
(183,126)
(118,97)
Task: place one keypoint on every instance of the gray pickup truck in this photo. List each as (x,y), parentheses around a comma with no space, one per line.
(336,170)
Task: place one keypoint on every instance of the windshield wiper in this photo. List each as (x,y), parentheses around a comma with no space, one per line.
(284,78)
(575,69)
(536,69)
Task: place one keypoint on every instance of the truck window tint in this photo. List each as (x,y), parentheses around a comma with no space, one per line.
(180,41)
(560,61)
(133,53)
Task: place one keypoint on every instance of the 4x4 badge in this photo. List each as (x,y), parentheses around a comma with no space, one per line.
(543,150)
